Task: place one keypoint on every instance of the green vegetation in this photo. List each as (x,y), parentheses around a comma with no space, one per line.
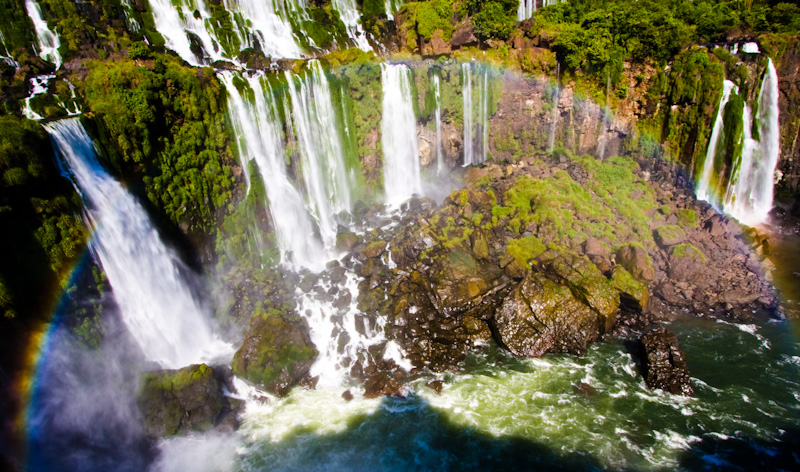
(422,19)
(688,250)
(166,123)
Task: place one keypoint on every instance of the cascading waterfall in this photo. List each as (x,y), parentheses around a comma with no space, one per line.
(475,128)
(466,94)
(39,85)
(437,93)
(704,187)
(391,6)
(350,16)
(317,127)
(551,140)
(525,9)
(606,118)
(6,57)
(259,137)
(155,302)
(176,20)
(401,170)
(267,24)
(750,190)
(47,39)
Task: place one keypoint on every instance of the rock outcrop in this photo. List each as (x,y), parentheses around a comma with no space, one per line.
(276,354)
(179,401)
(664,364)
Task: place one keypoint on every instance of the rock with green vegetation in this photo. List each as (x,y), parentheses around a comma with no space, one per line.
(346,241)
(685,262)
(374,249)
(668,236)
(179,401)
(633,294)
(540,316)
(276,354)
(634,259)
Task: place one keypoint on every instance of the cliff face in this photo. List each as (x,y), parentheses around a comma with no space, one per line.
(789,163)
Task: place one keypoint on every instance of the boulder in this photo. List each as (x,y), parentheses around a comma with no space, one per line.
(276,354)
(668,236)
(663,363)
(380,385)
(346,241)
(374,249)
(464,36)
(540,316)
(686,262)
(178,401)
(635,260)
(633,294)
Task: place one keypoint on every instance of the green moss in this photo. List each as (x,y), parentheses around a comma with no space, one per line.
(687,217)
(688,250)
(525,249)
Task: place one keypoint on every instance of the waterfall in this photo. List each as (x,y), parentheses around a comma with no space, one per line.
(551,140)
(350,16)
(484,99)
(391,6)
(48,40)
(480,128)
(401,173)
(525,9)
(156,305)
(466,94)
(181,18)
(750,189)
(321,149)
(704,188)
(437,93)
(259,136)
(267,24)
(606,114)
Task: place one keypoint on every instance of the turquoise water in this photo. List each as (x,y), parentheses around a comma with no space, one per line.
(502,412)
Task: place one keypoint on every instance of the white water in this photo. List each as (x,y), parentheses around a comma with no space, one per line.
(476,122)
(750,190)
(175,20)
(7,58)
(259,137)
(267,22)
(321,150)
(466,95)
(39,85)
(350,16)
(47,39)
(606,116)
(401,170)
(525,9)
(702,188)
(391,6)
(156,305)
(437,93)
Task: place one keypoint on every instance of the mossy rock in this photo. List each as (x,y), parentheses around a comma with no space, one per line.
(633,294)
(179,401)
(668,236)
(276,354)
(374,249)
(633,258)
(346,241)
(686,262)
(587,284)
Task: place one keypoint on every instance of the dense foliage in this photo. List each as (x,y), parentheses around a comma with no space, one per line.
(166,122)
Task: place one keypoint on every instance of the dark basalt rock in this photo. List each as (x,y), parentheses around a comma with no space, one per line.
(380,385)
(276,354)
(540,316)
(179,401)
(663,363)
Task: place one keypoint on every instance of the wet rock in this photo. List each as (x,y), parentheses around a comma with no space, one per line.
(347,395)
(381,385)
(663,363)
(276,354)
(436,386)
(464,36)
(541,316)
(634,295)
(374,249)
(585,389)
(636,261)
(178,401)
